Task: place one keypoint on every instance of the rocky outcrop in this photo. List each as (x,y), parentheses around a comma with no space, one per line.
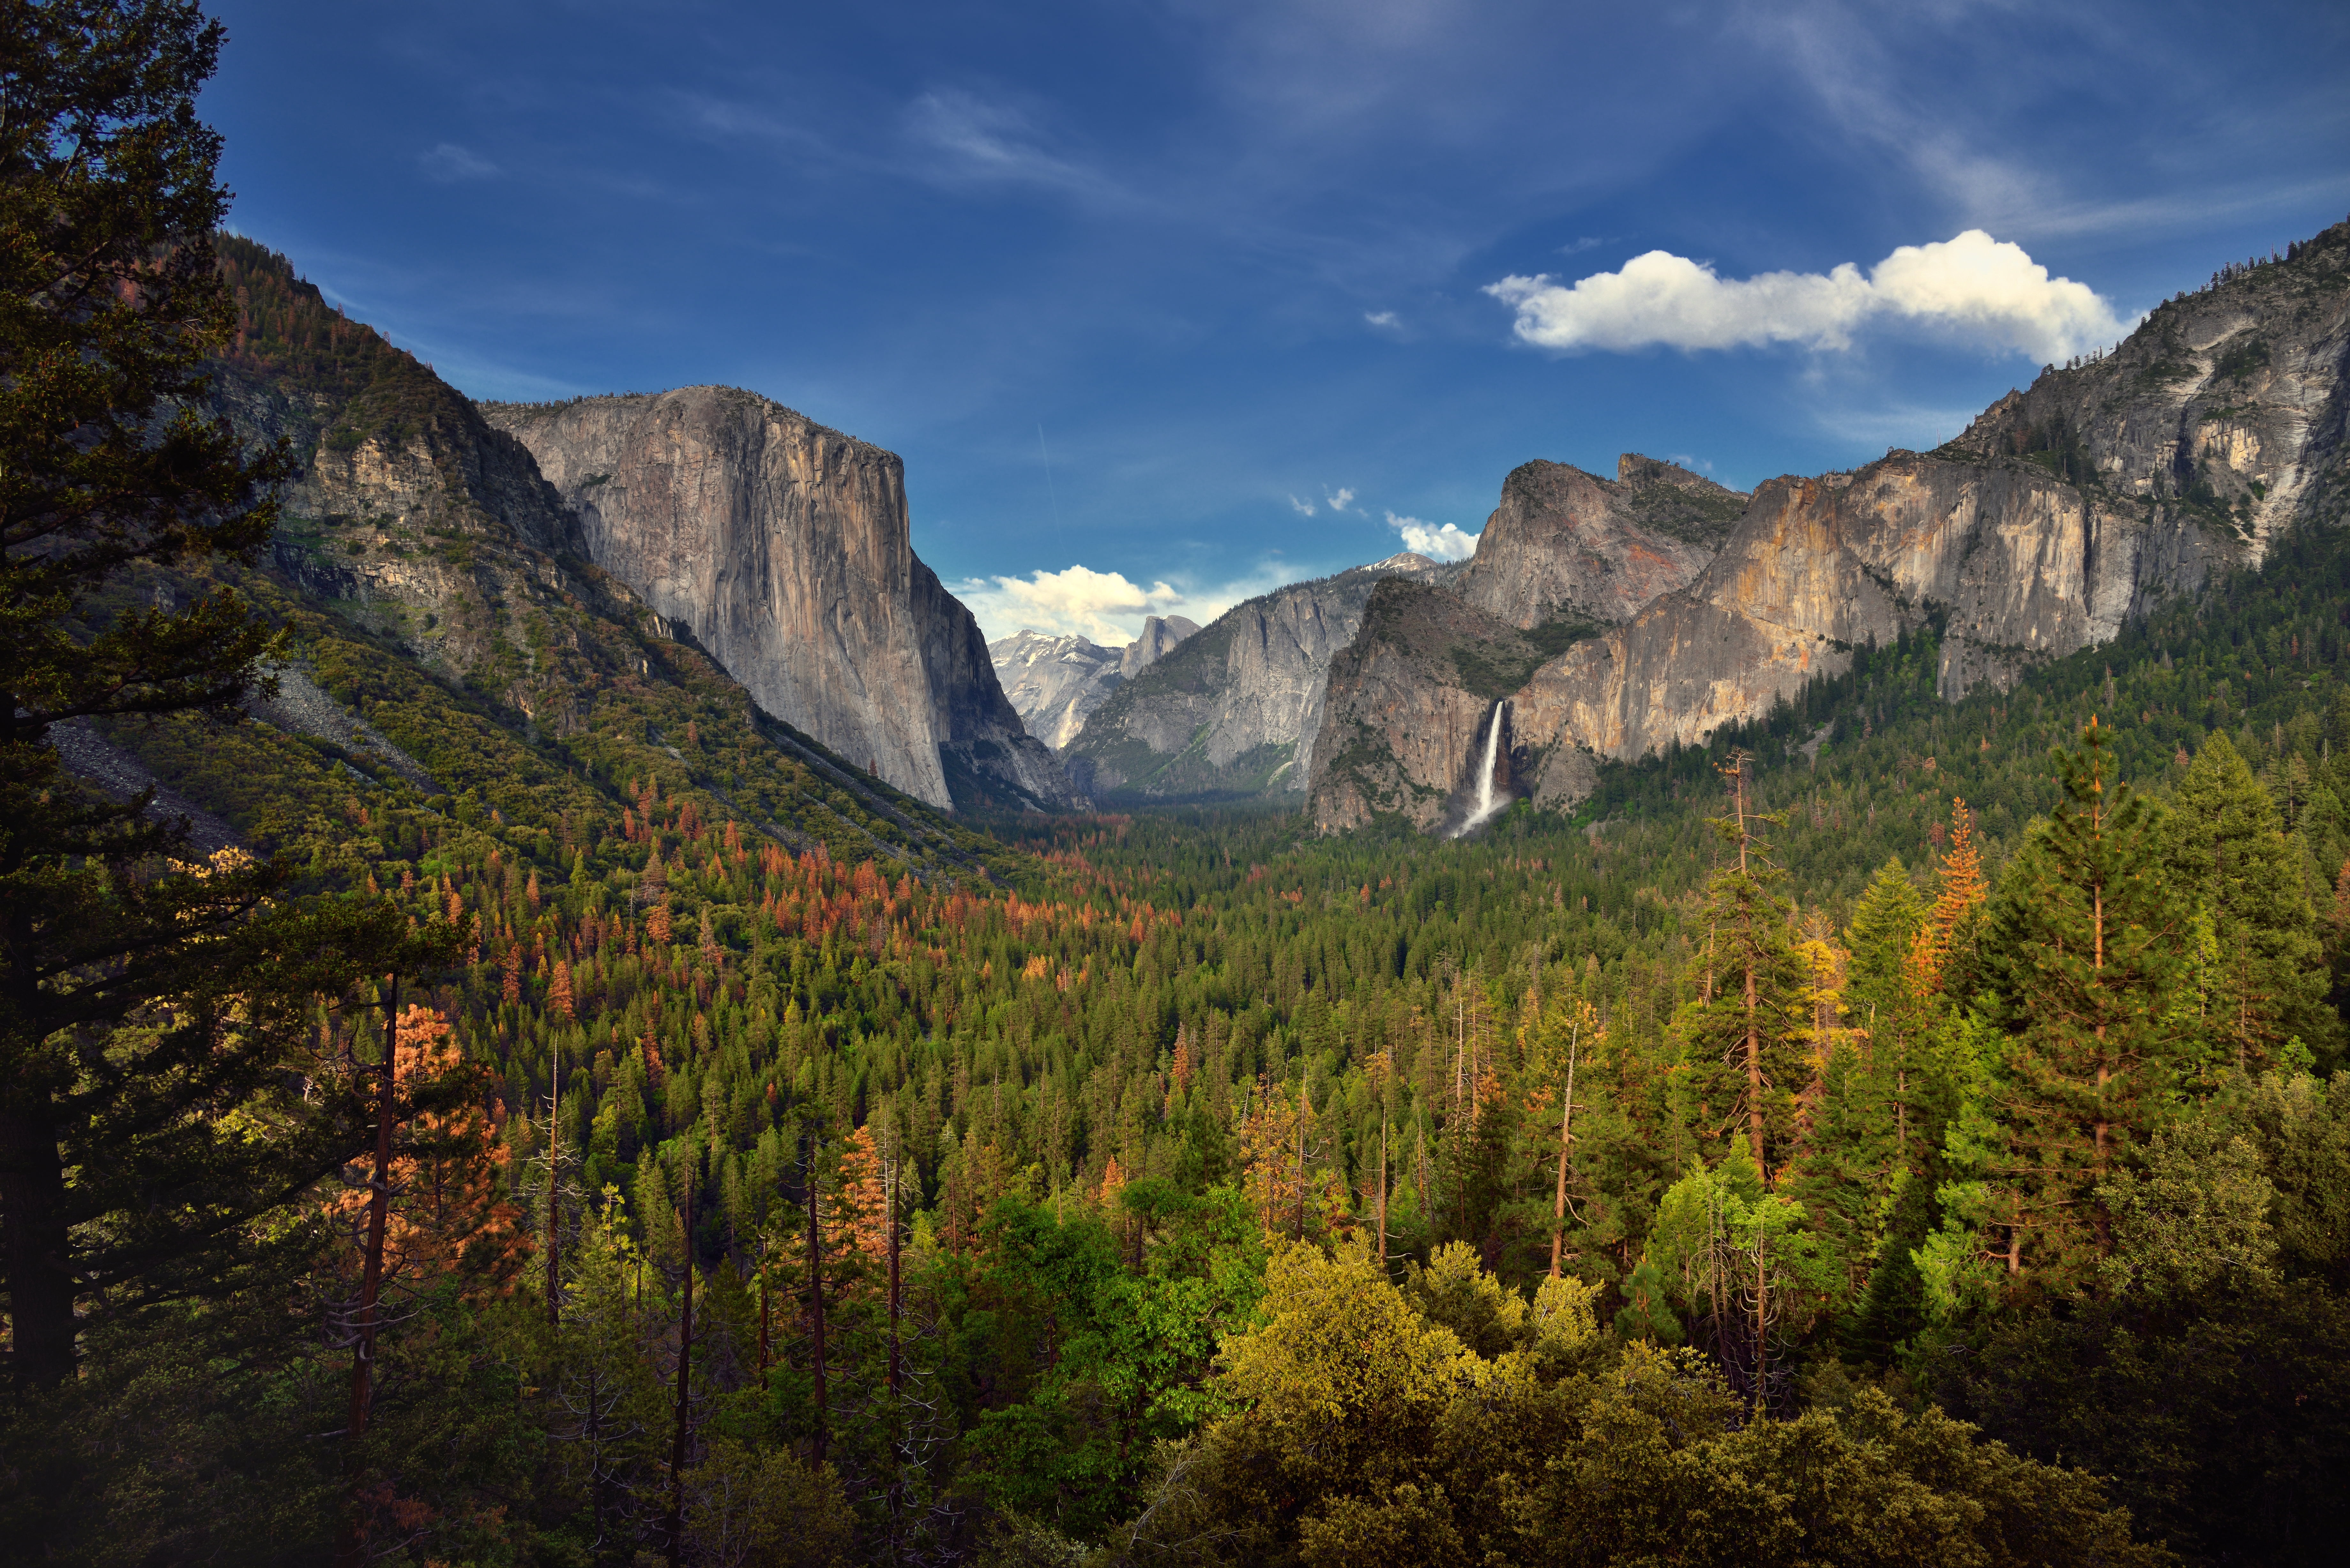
(1234,711)
(2064,511)
(2227,405)
(429,527)
(1409,706)
(1565,546)
(784,548)
(1161,635)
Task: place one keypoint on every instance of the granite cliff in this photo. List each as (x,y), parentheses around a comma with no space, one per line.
(1408,703)
(2061,512)
(471,648)
(784,548)
(1565,546)
(1234,710)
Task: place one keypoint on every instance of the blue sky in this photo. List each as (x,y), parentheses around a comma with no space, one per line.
(1131,286)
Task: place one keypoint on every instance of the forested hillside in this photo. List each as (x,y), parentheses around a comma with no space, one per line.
(1078,1085)
(580,1121)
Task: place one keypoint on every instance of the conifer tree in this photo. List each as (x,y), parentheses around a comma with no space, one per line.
(1945,948)
(2081,951)
(147,1006)
(1884,928)
(1744,1038)
(2228,852)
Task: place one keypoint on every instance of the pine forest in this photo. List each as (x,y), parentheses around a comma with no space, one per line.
(1894,1131)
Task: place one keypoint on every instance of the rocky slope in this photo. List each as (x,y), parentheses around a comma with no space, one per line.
(1232,711)
(1407,707)
(477,651)
(782,546)
(1161,635)
(1054,683)
(2061,512)
(1566,545)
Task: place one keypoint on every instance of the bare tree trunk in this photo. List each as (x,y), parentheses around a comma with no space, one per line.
(815,1299)
(1383,1199)
(894,1297)
(1753,1033)
(684,1371)
(554,1156)
(1565,1138)
(1298,1233)
(37,1240)
(351,1549)
(1762,1321)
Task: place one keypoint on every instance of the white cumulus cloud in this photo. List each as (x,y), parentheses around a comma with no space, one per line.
(1102,606)
(1446,543)
(1105,608)
(1983,290)
(1338,499)
(1381,317)
(1303,508)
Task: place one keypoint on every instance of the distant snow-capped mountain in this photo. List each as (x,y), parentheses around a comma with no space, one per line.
(1054,682)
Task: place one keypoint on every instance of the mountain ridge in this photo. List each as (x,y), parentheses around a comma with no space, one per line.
(2066,510)
(786,547)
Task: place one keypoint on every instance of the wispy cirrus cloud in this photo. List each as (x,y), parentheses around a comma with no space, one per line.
(967,138)
(1981,290)
(448,163)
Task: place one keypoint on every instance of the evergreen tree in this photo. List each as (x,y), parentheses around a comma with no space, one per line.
(1884,928)
(2264,984)
(146,1007)
(1744,1038)
(2082,953)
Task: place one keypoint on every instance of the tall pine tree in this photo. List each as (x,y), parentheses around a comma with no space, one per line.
(153,1014)
(2082,954)
(2263,983)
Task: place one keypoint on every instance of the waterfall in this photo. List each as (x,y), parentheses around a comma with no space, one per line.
(1487,801)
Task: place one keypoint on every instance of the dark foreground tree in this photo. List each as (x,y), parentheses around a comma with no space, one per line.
(150,1101)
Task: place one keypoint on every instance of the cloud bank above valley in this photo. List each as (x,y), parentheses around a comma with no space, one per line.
(1103,607)
(1983,292)
(1108,608)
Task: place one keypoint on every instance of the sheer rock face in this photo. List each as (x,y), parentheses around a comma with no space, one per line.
(1409,700)
(1233,709)
(1565,545)
(784,548)
(2064,511)
(1161,635)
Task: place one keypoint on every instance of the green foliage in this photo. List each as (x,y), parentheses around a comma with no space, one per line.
(1373,1436)
(1058,1099)
(154,1013)
(2082,964)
